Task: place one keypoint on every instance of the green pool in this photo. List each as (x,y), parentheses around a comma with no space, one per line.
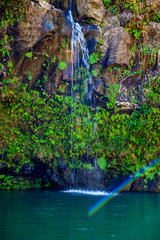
(47,215)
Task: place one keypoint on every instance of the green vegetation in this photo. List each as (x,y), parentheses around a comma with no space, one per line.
(29,54)
(12,182)
(143,12)
(11,12)
(62,65)
(94,73)
(93,58)
(36,125)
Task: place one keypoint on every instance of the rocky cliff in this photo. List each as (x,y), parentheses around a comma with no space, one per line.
(124,47)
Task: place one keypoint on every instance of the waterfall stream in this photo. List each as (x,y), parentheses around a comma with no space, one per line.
(81,81)
(81,75)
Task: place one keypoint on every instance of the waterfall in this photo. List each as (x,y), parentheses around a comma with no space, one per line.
(81,97)
(81,75)
(81,81)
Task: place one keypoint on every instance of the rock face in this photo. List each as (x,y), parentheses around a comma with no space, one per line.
(44,33)
(150,186)
(37,23)
(42,39)
(66,178)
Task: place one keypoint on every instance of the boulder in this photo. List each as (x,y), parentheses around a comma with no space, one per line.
(98,85)
(110,22)
(116,45)
(36,24)
(151,34)
(43,3)
(110,75)
(91,9)
(124,17)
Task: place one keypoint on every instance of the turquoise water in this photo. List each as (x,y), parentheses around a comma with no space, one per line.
(46,215)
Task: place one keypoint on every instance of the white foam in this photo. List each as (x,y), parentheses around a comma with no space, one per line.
(87,192)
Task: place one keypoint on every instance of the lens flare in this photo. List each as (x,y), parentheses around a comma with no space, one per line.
(119,188)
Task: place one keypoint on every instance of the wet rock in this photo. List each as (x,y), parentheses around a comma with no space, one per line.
(151,186)
(48,25)
(92,34)
(27,169)
(66,177)
(91,29)
(91,44)
(67,73)
(112,182)
(66,29)
(30,29)
(91,9)
(90,179)
(41,32)
(98,83)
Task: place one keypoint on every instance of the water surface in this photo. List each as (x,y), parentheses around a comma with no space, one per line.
(46,215)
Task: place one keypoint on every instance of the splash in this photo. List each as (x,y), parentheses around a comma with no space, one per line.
(119,188)
(86,192)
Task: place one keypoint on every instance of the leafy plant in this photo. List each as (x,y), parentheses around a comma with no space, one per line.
(62,65)
(10,64)
(93,58)
(29,54)
(102,163)
(94,73)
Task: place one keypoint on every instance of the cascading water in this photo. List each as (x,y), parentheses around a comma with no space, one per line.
(81,76)
(81,85)
(81,92)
